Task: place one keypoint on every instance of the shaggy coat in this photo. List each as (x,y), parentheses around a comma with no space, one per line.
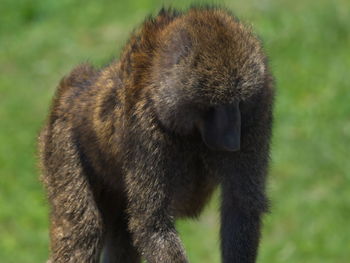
(121,154)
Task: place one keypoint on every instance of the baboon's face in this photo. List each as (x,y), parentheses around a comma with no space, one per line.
(202,75)
(186,108)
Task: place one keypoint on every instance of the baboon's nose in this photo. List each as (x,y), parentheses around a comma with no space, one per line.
(232,143)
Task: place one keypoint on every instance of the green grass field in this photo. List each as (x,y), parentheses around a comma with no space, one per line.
(309,47)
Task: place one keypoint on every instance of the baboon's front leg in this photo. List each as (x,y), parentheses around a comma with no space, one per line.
(76,227)
(243,193)
(150,220)
(240,227)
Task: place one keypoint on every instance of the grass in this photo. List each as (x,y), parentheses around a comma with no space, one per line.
(308,44)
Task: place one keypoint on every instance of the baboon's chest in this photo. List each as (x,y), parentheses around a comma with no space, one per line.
(192,189)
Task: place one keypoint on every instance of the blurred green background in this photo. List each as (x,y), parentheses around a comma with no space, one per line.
(309,47)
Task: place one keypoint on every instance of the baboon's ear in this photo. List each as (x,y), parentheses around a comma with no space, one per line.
(178,46)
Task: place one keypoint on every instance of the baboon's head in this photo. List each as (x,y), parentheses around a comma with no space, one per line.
(206,64)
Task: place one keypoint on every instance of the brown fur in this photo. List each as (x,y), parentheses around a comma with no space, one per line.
(121,156)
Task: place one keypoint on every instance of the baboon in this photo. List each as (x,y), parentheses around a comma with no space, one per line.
(130,147)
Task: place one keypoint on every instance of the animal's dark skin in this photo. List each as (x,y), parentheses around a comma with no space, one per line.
(221,127)
(129,148)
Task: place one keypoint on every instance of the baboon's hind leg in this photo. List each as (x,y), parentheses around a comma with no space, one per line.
(118,244)
(76,227)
